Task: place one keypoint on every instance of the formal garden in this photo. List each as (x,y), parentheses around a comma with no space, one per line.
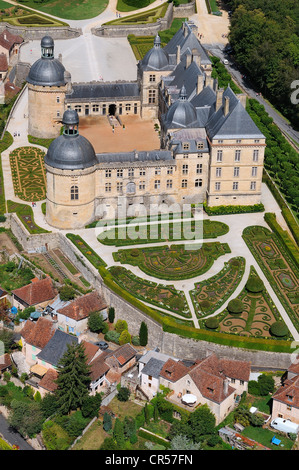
(28,173)
(17,15)
(163,296)
(209,294)
(252,313)
(25,214)
(175,262)
(138,233)
(279,266)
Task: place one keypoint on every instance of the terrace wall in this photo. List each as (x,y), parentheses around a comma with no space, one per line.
(38,32)
(168,343)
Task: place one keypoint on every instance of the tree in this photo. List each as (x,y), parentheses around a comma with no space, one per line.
(107,422)
(96,322)
(123,394)
(67,293)
(111,314)
(183,443)
(26,417)
(91,405)
(125,337)
(118,433)
(266,384)
(49,405)
(73,378)
(143,334)
(202,422)
(120,326)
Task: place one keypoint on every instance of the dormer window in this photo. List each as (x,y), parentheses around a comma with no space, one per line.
(185,146)
(290,397)
(200,145)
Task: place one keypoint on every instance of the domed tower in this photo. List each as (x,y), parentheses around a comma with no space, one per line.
(47,87)
(154,64)
(71,168)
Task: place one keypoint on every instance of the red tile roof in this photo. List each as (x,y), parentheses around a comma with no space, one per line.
(173,370)
(81,307)
(3,63)
(38,334)
(48,380)
(90,350)
(288,393)
(124,353)
(36,292)
(5,361)
(98,366)
(7,39)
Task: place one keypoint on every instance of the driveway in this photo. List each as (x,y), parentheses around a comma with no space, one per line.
(11,436)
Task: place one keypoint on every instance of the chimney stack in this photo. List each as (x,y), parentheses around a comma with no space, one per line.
(199,84)
(188,60)
(226,105)
(219,95)
(225,386)
(178,54)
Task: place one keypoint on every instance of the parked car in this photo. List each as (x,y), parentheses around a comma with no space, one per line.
(225,61)
(102,345)
(285,425)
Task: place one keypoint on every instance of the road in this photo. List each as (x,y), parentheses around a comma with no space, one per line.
(13,437)
(245,84)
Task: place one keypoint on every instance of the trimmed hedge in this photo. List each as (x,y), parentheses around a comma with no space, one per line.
(226,210)
(235,306)
(254,284)
(283,235)
(279,329)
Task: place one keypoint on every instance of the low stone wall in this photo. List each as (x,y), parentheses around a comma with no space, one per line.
(38,32)
(168,343)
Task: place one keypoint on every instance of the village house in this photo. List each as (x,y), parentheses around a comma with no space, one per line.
(3,66)
(285,402)
(38,294)
(10,44)
(73,317)
(5,363)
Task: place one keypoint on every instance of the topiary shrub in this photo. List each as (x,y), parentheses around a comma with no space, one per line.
(212,323)
(254,284)
(235,306)
(279,329)
(134,252)
(205,305)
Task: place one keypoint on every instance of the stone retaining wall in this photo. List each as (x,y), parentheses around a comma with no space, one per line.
(118,30)
(38,32)
(168,343)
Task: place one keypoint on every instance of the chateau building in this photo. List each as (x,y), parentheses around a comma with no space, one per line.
(210,149)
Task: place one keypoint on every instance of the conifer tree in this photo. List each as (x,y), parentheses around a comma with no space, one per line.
(143,334)
(73,379)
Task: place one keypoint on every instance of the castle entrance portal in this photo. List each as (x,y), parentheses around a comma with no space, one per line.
(112,109)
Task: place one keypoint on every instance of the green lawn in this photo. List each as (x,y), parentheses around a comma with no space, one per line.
(131,5)
(66,9)
(264,437)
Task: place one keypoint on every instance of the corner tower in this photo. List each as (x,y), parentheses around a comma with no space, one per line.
(71,168)
(47,88)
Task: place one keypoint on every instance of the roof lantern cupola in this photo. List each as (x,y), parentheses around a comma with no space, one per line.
(70,122)
(183,93)
(47,47)
(157,41)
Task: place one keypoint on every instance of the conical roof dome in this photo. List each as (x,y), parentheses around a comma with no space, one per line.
(47,71)
(156,58)
(70,151)
(181,113)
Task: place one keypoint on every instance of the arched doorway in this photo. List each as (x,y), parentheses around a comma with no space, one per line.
(112,109)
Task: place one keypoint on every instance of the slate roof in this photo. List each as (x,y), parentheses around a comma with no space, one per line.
(187,43)
(236,124)
(103,91)
(134,157)
(36,292)
(56,347)
(184,76)
(153,367)
(80,308)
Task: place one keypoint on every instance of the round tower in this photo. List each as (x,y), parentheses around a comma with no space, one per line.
(47,86)
(71,168)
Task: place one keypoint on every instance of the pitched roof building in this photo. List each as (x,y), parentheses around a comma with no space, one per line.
(286,398)
(38,292)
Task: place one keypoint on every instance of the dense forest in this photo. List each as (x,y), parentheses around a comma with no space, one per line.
(264,36)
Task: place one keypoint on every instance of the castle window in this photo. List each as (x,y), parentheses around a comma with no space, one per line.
(142,185)
(237,155)
(185,170)
(128,107)
(237,171)
(58,113)
(217,186)
(108,173)
(157,171)
(57,99)
(170,171)
(185,146)
(152,78)
(219,155)
(200,145)
(198,182)
(78,108)
(218,172)
(157,184)
(169,184)
(119,186)
(119,173)
(235,185)
(142,172)
(255,155)
(104,109)
(253,185)
(152,96)
(199,155)
(108,187)
(199,168)
(74,193)
(220,141)
(256,141)
(238,141)
(95,108)
(254,171)
(184,183)
(131,172)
